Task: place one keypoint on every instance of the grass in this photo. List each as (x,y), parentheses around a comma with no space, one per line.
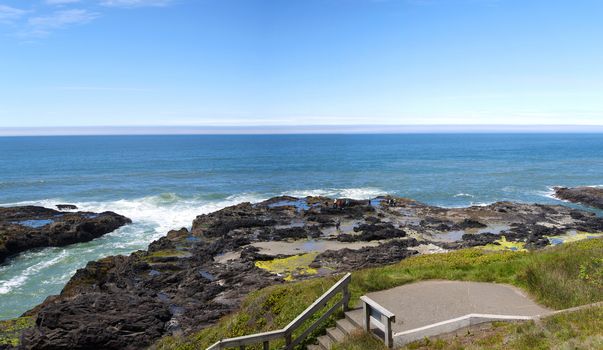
(10,330)
(360,341)
(559,277)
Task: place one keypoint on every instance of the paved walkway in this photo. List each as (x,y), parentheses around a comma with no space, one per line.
(424,303)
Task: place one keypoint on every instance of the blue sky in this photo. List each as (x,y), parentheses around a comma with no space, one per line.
(300,62)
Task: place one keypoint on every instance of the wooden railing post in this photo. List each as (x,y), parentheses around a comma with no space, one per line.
(266,345)
(367,317)
(288,341)
(382,318)
(389,340)
(346,298)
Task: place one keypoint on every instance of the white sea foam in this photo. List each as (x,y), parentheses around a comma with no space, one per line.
(463,195)
(550,193)
(8,285)
(165,211)
(353,193)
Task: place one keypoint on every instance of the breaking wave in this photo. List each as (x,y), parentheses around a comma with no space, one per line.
(352,193)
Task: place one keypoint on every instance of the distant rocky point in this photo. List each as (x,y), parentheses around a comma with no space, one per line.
(27,227)
(591,196)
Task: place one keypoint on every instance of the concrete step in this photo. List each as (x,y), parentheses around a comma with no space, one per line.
(355,317)
(325,342)
(346,326)
(336,335)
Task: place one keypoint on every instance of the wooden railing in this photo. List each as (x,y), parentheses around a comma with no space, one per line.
(287,332)
(380,317)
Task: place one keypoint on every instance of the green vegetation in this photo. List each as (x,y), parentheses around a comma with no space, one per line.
(558,277)
(291,266)
(10,330)
(264,310)
(503,244)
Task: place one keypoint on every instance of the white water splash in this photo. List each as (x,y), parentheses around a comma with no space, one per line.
(352,193)
(463,195)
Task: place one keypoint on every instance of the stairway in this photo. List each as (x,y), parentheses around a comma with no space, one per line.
(344,327)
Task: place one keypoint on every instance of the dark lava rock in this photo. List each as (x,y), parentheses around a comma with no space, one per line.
(591,196)
(99,321)
(373,232)
(66,207)
(23,228)
(470,240)
(469,223)
(128,302)
(436,224)
(350,259)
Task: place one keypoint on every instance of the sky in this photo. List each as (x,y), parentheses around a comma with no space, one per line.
(233,63)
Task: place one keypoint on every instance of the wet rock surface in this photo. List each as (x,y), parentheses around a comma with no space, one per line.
(183,282)
(591,196)
(27,227)
(353,259)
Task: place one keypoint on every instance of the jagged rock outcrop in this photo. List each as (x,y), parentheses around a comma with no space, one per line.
(27,227)
(591,196)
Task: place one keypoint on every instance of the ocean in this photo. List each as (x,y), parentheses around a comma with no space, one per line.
(163,182)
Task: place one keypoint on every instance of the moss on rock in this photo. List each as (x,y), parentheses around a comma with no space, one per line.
(10,330)
(291,266)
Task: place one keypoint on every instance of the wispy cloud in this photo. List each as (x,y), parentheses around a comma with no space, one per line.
(134,3)
(40,26)
(102,88)
(52,15)
(9,14)
(61,2)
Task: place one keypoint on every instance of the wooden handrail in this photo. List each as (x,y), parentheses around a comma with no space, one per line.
(375,306)
(380,317)
(287,332)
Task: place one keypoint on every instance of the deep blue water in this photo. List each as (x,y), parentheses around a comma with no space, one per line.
(162,182)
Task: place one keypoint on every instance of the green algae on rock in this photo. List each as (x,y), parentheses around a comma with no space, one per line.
(10,330)
(503,244)
(291,266)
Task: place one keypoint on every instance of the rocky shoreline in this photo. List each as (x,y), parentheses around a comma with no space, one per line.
(591,196)
(28,227)
(187,280)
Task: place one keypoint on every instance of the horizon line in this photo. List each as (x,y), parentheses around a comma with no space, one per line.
(133,130)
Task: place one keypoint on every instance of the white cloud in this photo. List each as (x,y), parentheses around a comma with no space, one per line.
(43,25)
(134,3)
(9,14)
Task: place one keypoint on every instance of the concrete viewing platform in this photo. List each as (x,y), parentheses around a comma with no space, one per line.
(424,303)
(436,307)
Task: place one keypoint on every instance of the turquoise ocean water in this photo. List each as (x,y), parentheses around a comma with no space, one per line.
(163,182)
